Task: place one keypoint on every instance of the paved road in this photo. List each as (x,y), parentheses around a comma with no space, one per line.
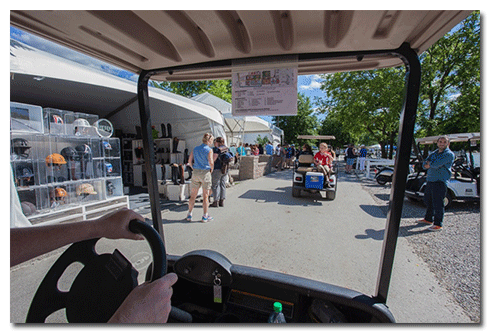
(262,225)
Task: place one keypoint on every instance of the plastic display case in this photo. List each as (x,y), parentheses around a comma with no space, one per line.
(26,118)
(55,121)
(63,170)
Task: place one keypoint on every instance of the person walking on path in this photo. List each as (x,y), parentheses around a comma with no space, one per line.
(219,178)
(351,156)
(202,162)
(362,157)
(269,148)
(281,154)
(438,166)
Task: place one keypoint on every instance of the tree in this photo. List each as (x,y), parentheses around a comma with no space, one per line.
(450,87)
(366,102)
(219,88)
(305,122)
(333,126)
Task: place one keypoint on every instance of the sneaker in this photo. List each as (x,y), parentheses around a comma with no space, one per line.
(206,218)
(424,221)
(189,217)
(434,228)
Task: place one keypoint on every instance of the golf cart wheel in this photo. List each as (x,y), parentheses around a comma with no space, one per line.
(296,192)
(448,199)
(381,180)
(330,195)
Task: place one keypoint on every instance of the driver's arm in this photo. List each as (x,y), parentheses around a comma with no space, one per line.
(30,242)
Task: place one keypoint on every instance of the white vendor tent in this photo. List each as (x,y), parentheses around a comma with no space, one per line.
(43,79)
(241,129)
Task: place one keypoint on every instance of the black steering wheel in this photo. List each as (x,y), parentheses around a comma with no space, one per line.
(101,286)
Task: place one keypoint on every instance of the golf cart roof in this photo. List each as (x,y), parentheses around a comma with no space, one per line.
(203,44)
(458,137)
(316,137)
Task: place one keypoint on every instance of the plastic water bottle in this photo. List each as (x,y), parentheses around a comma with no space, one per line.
(277,316)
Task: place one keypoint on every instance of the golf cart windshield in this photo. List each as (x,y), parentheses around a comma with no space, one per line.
(341,243)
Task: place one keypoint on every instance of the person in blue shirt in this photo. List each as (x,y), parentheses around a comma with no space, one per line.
(202,162)
(269,149)
(438,165)
(362,158)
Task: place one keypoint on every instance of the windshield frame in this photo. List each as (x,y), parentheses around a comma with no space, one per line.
(406,134)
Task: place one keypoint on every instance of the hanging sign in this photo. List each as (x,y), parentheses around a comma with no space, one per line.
(265,90)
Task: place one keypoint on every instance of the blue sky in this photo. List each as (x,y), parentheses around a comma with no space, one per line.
(307,84)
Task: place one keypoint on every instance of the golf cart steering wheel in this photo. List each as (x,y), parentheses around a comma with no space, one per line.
(101,286)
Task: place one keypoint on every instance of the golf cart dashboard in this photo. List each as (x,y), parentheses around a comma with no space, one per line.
(212,289)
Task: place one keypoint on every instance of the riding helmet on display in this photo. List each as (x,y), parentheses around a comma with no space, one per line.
(69,153)
(110,188)
(81,126)
(23,171)
(60,192)
(55,159)
(56,119)
(20,147)
(86,189)
(106,145)
(108,167)
(84,152)
(28,208)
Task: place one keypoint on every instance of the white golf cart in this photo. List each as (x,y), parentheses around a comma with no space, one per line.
(464,184)
(307,178)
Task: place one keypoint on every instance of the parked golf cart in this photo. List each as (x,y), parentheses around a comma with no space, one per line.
(203,45)
(307,178)
(464,184)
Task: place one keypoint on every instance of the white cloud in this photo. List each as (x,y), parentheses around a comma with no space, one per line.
(312,82)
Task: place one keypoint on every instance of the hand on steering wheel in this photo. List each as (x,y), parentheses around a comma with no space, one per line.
(103,284)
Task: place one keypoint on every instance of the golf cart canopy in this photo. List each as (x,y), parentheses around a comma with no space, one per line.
(458,137)
(199,45)
(316,137)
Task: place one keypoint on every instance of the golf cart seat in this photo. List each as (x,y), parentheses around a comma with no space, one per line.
(305,164)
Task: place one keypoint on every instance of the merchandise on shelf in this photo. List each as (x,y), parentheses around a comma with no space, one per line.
(60,161)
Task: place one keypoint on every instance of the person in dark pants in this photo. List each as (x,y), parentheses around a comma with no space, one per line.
(438,166)
(219,178)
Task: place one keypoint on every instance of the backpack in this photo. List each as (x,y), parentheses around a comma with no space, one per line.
(225,158)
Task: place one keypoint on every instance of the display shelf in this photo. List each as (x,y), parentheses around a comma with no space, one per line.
(87,211)
(62,167)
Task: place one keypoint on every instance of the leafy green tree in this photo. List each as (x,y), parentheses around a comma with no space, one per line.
(450,87)
(335,127)
(365,102)
(262,140)
(219,88)
(305,122)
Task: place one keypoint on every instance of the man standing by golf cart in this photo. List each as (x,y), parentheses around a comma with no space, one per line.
(438,166)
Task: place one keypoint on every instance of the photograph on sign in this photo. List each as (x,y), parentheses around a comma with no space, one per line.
(271,91)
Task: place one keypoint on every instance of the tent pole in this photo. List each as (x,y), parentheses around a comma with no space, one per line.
(150,167)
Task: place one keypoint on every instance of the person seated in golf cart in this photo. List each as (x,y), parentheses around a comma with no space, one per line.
(307,159)
(323,162)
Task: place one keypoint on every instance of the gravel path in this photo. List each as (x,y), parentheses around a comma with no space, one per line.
(452,254)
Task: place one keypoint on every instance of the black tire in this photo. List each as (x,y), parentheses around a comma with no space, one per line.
(330,195)
(448,199)
(296,192)
(381,180)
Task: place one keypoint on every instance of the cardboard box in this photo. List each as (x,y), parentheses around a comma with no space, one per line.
(177,192)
